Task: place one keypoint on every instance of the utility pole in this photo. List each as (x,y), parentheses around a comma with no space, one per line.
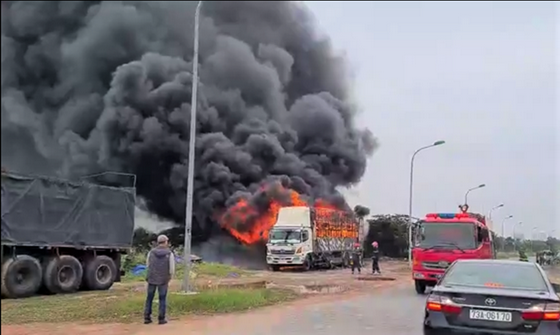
(192,138)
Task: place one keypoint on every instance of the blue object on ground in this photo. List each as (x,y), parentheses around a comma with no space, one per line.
(139,269)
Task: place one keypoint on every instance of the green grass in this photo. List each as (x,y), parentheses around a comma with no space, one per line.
(126,307)
(198,270)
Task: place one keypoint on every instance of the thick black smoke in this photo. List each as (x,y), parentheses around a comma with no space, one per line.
(90,86)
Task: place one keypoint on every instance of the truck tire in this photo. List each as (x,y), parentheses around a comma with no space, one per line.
(100,273)
(308,263)
(62,274)
(420,286)
(274,268)
(21,277)
(345,260)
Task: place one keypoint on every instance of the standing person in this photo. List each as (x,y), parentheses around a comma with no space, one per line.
(161,267)
(356,258)
(375,258)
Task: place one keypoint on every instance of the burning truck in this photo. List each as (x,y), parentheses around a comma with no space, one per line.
(311,238)
(297,232)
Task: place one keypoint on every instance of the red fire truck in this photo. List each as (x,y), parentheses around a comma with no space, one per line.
(443,238)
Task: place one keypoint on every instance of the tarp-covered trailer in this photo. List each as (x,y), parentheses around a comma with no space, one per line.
(63,235)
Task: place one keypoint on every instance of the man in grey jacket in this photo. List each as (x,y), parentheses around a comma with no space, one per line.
(161,267)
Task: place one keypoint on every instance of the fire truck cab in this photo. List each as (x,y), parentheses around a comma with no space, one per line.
(441,239)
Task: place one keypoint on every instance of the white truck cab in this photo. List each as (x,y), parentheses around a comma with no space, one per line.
(291,238)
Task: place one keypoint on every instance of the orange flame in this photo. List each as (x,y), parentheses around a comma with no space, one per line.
(249,226)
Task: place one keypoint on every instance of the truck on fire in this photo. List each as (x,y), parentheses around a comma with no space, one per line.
(60,236)
(311,238)
(441,239)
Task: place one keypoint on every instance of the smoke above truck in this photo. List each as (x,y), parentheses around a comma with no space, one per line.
(90,86)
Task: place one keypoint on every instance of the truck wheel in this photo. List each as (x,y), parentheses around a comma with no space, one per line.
(345,260)
(62,274)
(274,268)
(420,286)
(100,273)
(21,277)
(308,263)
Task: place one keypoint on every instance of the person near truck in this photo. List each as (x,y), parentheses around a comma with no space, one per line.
(375,258)
(161,267)
(357,258)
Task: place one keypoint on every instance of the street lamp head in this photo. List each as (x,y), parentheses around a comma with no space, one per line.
(509,217)
(500,205)
(440,142)
(481,185)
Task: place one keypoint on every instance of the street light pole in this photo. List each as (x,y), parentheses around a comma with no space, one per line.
(493,209)
(490,214)
(504,225)
(410,197)
(192,138)
(504,232)
(514,238)
(472,189)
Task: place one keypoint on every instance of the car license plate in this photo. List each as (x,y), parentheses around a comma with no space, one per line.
(475,314)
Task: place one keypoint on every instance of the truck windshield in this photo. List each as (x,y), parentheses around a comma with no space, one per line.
(447,235)
(284,235)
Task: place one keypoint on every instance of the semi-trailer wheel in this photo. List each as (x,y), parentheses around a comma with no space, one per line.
(420,286)
(21,276)
(100,273)
(62,274)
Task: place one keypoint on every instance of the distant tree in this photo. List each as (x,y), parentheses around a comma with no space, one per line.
(391,232)
(361,211)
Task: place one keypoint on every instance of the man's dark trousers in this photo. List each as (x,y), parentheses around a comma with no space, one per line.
(375,265)
(162,296)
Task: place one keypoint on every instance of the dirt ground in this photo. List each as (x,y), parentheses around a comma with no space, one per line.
(294,278)
(348,285)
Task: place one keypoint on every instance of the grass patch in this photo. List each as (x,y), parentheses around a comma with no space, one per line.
(93,307)
(216,270)
(198,270)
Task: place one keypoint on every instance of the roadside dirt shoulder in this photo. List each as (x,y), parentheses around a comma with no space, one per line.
(349,283)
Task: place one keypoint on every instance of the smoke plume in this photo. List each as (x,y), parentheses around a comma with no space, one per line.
(93,86)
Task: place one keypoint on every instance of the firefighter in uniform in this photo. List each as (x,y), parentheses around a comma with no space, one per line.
(375,258)
(357,258)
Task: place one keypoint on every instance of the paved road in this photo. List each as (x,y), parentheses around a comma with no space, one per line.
(395,312)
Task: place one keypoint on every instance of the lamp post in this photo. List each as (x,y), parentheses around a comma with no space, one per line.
(504,231)
(504,224)
(435,144)
(514,238)
(469,191)
(490,213)
(192,138)
(493,209)
(533,238)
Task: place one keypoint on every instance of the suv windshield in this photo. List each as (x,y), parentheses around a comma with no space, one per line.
(285,235)
(447,235)
(524,276)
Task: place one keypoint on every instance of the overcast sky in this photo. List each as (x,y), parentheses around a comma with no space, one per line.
(483,76)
